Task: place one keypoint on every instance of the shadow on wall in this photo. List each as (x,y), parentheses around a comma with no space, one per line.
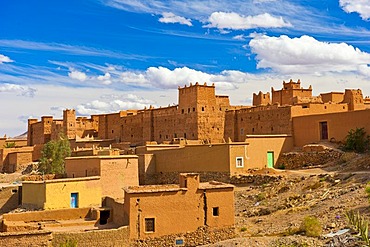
(10,198)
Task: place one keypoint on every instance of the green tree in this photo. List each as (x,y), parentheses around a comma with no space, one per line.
(53,154)
(357,140)
(9,145)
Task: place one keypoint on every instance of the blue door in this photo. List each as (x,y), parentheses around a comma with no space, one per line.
(74,200)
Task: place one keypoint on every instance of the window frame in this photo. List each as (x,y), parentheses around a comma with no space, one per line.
(237,163)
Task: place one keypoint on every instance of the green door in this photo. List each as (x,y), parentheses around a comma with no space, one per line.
(270,159)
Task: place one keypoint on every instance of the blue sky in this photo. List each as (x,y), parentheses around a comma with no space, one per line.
(100,56)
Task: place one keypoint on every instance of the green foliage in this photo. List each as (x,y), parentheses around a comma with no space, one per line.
(357,140)
(359,224)
(311,226)
(9,145)
(243,229)
(53,155)
(69,243)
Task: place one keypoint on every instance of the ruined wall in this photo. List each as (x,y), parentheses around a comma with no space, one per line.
(7,161)
(117,210)
(354,99)
(288,92)
(307,128)
(333,97)
(261,99)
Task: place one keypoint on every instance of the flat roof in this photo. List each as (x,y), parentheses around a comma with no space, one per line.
(62,180)
(215,185)
(104,157)
(153,188)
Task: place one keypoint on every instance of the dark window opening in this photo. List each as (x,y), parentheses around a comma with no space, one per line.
(252,129)
(184,135)
(160,136)
(188,110)
(112,131)
(104,216)
(149,224)
(215,211)
(193,108)
(182,111)
(304,106)
(202,108)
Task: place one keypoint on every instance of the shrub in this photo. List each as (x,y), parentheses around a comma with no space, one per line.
(69,243)
(359,224)
(9,145)
(357,140)
(311,226)
(243,229)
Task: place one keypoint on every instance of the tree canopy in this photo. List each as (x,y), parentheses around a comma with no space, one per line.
(357,140)
(53,154)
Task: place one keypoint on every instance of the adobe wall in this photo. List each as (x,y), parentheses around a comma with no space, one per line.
(5,158)
(41,194)
(147,167)
(187,202)
(313,109)
(307,128)
(257,120)
(18,161)
(202,236)
(115,171)
(193,158)
(334,97)
(109,238)
(117,210)
(259,145)
(9,198)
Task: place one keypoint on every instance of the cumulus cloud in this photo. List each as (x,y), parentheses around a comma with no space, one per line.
(161,77)
(361,7)
(232,20)
(77,75)
(20,90)
(5,59)
(169,17)
(113,103)
(105,78)
(307,55)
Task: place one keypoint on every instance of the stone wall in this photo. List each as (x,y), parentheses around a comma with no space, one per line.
(173,178)
(298,160)
(29,239)
(106,238)
(202,236)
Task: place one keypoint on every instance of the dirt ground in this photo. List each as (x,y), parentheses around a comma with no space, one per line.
(271,214)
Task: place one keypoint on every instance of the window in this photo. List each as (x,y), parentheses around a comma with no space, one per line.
(215,211)
(112,131)
(202,108)
(149,224)
(184,135)
(241,131)
(182,111)
(188,110)
(193,108)
(239,162)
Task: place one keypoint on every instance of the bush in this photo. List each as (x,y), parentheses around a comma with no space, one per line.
(69,243)
(53,155)
(357,140)
(311,226)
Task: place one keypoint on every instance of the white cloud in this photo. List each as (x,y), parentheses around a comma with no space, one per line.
(359,6)
(20,90)
(113,103)
(105,78)
(307,55)
(223,20)
(77,75)
(239,37)
(5,59)
(169,17)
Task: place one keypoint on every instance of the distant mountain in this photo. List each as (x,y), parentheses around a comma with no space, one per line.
(22,136)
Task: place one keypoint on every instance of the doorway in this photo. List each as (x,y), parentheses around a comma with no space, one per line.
(270,159)
(323,130)
(104,216)
(74,200)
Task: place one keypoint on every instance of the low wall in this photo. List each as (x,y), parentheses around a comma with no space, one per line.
(62,214)
(106,238)
(297,160)
(28,239)
(202,236)
(9,198)
(173,178)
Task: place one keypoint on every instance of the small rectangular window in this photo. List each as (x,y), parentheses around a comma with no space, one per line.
(239,162)
(149,224)
(215,211)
